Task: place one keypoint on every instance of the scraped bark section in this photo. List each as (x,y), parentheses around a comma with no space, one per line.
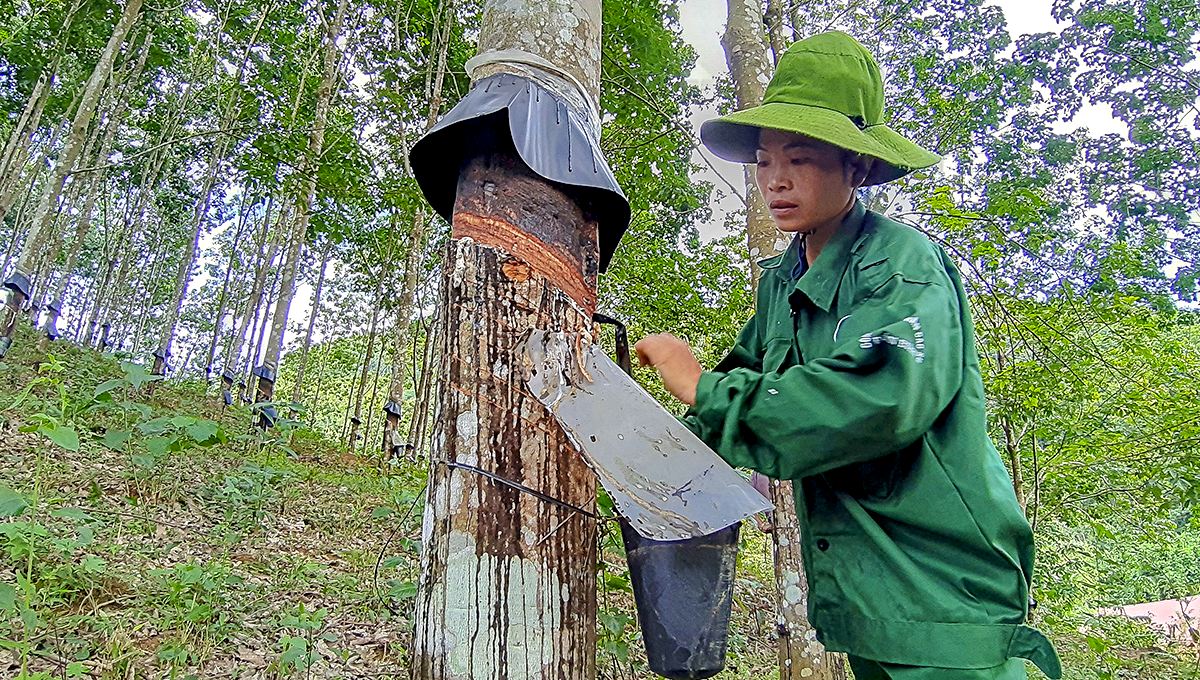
(507,580)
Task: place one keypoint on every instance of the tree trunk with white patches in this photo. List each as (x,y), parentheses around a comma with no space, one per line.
(508,586)
(748,55)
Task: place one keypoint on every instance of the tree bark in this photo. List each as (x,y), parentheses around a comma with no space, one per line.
(800,655)
(507,586)
(527,565)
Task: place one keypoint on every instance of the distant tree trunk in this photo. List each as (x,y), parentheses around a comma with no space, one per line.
(434,85)
(773,18)
(368,355)
(302,364)
(401,339)
(269,296)
(266,245)
(16,150)
(151,289)
(184,274)
(119,102)
(223,296)
(122,247)
(747,54)
(66,163)
(312,161)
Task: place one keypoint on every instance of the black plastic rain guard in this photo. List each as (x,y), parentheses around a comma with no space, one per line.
(684,593)
(19,283)
(391,408)
(683,589)
(548,136)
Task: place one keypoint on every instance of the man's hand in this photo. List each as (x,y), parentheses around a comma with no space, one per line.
(675,363)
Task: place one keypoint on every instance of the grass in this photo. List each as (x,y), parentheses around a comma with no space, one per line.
(146,532)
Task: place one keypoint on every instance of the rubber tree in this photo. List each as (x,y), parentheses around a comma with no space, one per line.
(229,110)
(435,80)
(19,285)
(331,64)
(507,586)
(748,54)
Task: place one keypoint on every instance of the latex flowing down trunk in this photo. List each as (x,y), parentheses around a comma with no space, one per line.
(312,161)
(72,146)
(508,586)
(800,655)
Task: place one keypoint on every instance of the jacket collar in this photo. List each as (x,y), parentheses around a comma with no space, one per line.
(820,282)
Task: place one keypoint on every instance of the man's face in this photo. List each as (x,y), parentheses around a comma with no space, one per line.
(805,182)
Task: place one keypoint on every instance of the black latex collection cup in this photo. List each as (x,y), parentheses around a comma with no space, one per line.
(684,592)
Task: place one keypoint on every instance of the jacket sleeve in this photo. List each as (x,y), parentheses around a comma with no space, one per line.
(746,354)
(897,366)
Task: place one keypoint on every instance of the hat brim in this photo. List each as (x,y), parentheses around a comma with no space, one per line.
(735,137)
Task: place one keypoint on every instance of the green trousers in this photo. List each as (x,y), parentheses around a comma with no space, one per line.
(863,669)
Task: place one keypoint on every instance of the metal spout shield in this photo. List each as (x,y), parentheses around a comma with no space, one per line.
(661,477)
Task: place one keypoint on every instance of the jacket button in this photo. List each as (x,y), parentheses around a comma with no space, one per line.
(822,544)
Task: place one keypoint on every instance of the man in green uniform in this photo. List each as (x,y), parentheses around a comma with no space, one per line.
(858,378)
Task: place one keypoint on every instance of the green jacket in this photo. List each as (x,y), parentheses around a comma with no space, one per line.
(860,380)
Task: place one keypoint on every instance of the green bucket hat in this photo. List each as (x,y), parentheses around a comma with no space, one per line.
(827,87)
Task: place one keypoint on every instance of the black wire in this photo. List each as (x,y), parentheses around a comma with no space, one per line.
(520,487)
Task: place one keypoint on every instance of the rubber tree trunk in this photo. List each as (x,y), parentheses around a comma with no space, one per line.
(402,336)
(66,163)
(16,150)
(313,312)
(800,655)
(507,586)
(119,102)
(312,161)
(401,339)
(368,356)
(223,296)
